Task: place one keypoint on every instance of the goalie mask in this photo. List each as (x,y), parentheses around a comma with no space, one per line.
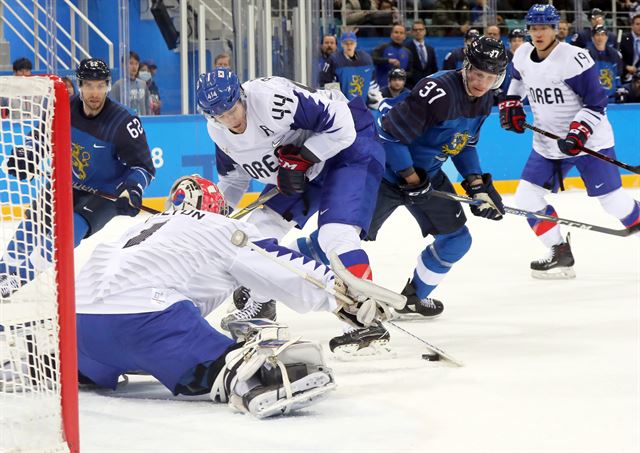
(196,192)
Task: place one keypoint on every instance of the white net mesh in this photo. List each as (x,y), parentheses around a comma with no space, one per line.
(30,410)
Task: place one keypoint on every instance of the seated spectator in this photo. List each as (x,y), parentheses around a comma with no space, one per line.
(423,56)
(329,46)
(222,60)
(455,58)
(353,71)
(630,92)
(516,39)
(386,15)
(397,80)
(138,91)
(630,49)
(450,23)
(22,67)
(583,37)
(607,59)
(144,73)
(392,54)
(492,31)
(564,31)
(71,88)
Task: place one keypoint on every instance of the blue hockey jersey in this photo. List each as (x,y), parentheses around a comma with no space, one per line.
(609,66)
(437,120)
(109,148)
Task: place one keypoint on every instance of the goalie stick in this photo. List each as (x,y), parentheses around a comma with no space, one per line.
(535,215)
(234,215)
(632,168)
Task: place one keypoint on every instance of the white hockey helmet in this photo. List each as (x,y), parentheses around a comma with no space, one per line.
(196,192)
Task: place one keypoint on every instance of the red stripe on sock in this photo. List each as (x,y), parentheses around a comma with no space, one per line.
(361,271)
(541,228)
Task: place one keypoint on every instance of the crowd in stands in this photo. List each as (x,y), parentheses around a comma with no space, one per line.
(409,53)
(407,56)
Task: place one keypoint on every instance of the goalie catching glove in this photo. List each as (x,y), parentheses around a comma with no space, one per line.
(360,301)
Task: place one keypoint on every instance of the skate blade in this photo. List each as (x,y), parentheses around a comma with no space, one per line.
(414,317)
(558,273)
(306,391)
(374,350)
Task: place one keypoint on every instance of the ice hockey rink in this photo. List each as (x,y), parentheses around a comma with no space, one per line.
(550,366)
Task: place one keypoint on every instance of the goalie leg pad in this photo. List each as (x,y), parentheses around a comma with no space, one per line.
(273,377)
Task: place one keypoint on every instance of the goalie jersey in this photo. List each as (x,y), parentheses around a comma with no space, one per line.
(562,88)
(280,112)
(188,255)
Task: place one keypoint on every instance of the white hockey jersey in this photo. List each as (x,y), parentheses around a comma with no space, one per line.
(562,88)
(188,255)
(280,112)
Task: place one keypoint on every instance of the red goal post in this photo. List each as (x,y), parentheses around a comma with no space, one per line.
(38,372)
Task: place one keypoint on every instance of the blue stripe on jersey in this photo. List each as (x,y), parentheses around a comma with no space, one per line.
(312,114)
(587,86)
(272,246)
(224,163)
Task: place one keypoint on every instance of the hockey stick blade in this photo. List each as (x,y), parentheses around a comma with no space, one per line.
(535,215)
(431,347)
(632,168)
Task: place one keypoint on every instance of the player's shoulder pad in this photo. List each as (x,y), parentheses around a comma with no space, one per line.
(575,60)
(522,54)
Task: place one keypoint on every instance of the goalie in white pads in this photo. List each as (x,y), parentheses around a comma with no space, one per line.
(142,299)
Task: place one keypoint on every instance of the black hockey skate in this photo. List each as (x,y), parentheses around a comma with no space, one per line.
(251,310)
(558,265)
(372,340)
(417,308)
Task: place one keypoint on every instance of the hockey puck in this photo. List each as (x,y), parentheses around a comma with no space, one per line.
(431,357)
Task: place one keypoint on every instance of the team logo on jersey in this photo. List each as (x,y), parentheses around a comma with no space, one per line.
(606,79)
(80,160)
(356,86)
(457,143)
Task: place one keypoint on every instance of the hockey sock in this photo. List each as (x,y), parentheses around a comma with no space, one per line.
(80,229)
(632,219)
(357,262)
(548,232)
(621,206)
(438,258)
(16,258)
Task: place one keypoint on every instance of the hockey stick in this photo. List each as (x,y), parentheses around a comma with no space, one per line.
(632,168)
(256,204)
(234,215)
(536,215)
(108,196)
(429,346)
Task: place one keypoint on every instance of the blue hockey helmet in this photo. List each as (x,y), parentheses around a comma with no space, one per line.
(217,91)
(542,14)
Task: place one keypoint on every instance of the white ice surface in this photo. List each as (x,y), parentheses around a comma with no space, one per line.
(551,366)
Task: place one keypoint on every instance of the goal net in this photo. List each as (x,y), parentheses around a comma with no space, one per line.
(38,371)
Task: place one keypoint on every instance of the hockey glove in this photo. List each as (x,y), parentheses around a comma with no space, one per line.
(579,133)
(23,162)
(291,174)
(419,192)
(491,206)
(129,198)
(512,116)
